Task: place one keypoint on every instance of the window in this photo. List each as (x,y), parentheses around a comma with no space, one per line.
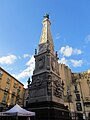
(12,100)
(76,89)
(1,73)
(14,91)
(18,92)
(4,97)
(77,97)
(79,106)
(8,80)
(15,85)
(7,87)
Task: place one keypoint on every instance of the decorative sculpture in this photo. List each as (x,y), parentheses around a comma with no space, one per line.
(46,16)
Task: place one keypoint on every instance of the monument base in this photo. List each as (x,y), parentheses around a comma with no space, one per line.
(50,111)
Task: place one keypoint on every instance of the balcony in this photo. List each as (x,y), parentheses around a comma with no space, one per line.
(15,85)
(76,91)
(6,89)
(13,93)
(87,98)
(87,101)
(79,106)
(78,97)
(3,101)
(18,96)
(68,98)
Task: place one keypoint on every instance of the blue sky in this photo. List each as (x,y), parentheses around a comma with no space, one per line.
(20,31)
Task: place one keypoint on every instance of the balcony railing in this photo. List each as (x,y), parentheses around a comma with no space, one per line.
(13,93)
(7,89)
(87,99)
(76,91)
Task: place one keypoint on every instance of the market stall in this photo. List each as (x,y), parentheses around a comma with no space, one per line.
(17,111)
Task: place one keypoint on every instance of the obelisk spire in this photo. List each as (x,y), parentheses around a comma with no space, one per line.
(46,37)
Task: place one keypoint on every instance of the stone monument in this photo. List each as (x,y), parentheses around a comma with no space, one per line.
(46,88)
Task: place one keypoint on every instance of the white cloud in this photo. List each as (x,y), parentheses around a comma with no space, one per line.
(10,59)
(31,62)
(87,38)
(77,63)
(77,51)
(28,71)
(26,55)
(68,51)
(63,60)
(74,63)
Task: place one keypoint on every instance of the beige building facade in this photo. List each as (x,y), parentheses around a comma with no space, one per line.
(81,94)
(11,90)
(76,92)
(66,76)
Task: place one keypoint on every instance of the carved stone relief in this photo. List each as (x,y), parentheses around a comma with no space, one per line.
(49,85)
(48,62)
(57,89)
(41,62)
(38,81)
(53,65)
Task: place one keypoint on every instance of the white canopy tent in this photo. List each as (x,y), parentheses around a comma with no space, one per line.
(17,111)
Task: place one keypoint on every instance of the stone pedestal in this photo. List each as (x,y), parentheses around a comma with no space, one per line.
(50,111)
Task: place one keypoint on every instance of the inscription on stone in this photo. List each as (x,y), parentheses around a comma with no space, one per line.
(37,93)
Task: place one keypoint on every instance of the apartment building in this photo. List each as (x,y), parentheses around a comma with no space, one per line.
(81,94)
(11,90)
(76,92)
